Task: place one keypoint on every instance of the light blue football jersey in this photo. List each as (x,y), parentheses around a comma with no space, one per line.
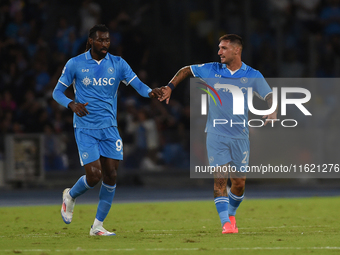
(214,74)
(96,82)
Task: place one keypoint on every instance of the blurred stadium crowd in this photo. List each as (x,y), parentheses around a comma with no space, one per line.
(286,38)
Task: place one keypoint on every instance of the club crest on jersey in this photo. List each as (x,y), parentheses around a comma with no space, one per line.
(86,81)
(110,70)
(244,80)
(85,155)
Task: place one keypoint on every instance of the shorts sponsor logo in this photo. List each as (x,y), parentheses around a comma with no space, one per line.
(85,155)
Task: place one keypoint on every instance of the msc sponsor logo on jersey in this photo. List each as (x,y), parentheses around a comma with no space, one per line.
(98,82)
(86,81)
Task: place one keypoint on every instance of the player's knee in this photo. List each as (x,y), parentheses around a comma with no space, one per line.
(219,192)
(111,175)
(238,185)
(93,176)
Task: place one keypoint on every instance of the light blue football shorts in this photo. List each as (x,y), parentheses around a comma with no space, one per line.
(93,143)
(223,150)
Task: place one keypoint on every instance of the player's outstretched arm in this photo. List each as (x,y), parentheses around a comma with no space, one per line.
(179,76)
(144,90)
(272,116)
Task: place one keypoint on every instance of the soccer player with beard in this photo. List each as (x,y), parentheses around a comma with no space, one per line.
(95,76)
(227,145)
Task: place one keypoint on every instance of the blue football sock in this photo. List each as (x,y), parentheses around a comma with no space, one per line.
(234,202)
(106,195)
(80,187)
(222,208)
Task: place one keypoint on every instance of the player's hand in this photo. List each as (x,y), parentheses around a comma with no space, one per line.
(79,108)
(270,118)
(156,93)
(166,94)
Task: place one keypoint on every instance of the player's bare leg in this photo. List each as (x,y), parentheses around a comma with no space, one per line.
(220,184)
(238,182)
(110,168)
(106,194)
(93,173)
(84,183)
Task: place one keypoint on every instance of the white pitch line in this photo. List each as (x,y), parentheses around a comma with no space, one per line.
(79,249)
(60,235)
(252,233)
(283,248)
(317,226)
(168,230)
(158,230)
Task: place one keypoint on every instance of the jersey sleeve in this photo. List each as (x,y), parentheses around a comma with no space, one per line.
(127,75)
(59,96)
(68,73)
(202,70)
(140,87)
(261,87)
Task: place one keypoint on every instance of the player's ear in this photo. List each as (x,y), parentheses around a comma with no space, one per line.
(90,40)
(237,50)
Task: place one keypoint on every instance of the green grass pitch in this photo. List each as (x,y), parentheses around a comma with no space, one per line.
(266,226)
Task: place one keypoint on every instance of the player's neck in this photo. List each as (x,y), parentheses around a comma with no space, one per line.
(235,65)
(95,56)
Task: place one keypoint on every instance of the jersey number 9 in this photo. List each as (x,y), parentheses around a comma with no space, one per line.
(119,145)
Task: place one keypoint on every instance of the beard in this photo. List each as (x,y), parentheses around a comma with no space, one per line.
(99,52)
(226,61)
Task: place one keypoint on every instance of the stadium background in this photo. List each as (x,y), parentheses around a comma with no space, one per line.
(296,38)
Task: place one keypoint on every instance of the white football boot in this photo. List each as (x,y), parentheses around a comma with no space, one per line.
(67,206)
(100,231)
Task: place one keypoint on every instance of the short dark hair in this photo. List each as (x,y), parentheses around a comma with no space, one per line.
(95,28)
(232,38)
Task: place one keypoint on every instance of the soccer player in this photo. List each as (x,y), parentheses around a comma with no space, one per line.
(95,76)
(227,146)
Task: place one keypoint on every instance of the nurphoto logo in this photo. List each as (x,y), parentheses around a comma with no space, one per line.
(238,104)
